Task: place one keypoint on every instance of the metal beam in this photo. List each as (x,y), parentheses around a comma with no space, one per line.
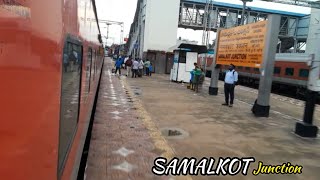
(189,19)
(109,22)
(303,3)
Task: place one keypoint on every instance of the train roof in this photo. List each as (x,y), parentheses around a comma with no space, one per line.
(286,57)
(294,57)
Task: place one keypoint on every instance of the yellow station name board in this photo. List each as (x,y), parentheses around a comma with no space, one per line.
(243,45)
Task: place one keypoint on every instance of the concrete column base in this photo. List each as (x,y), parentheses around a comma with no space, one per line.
(213,91)
(260,111)
(306,130)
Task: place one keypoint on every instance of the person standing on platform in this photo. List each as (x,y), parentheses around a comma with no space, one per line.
(128,64)
(141,65)
(147,66)
(230,82)
(150,69)
(124,62)
(118,66)
(191,79)
(135,68)
(197,73)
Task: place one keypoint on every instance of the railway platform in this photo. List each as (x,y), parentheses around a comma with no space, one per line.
(138,120)
(124,140)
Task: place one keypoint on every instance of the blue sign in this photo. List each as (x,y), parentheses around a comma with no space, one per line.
(211,52)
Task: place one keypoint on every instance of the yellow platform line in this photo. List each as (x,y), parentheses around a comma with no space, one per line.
(159,141)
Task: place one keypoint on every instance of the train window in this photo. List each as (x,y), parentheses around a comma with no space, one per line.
(289,71)
(304,73)
(248,68)
(95,63)
(240,67)
(94,57)
(256,69)
(88,70)
(277,70)
(70,98)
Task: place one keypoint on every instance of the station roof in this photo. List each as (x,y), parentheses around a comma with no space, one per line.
(189,47)
(237,6)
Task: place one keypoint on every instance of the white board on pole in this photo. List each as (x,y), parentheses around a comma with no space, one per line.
(192,58)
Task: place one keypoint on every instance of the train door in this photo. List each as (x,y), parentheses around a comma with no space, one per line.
(70,98)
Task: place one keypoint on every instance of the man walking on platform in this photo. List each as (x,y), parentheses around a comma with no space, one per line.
(231,81)
(128,64)
(124,62)
(135,68)
(118,66)
(141,66)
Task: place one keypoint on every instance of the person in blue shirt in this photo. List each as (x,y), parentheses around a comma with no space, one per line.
(118,66)
(191,80)
(150,69)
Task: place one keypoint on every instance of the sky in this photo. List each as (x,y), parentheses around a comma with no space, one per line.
(124,11)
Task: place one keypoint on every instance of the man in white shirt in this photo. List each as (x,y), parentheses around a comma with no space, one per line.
(141,65)
(135,68)
(230,82)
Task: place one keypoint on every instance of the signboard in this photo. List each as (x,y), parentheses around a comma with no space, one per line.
(243,45)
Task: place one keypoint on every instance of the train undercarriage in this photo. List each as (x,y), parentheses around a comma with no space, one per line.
(285,89)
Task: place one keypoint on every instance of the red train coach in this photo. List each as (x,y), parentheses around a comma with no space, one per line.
(291,70)
(50,63)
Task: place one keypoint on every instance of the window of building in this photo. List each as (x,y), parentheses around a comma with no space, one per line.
(248,68)
(289,71)
(183,57)
(240,67)
(256,70)
(277,70)
(304,73)
(70,98)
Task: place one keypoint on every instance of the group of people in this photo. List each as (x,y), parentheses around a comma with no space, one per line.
(136,67)
(231,80)
(197,77)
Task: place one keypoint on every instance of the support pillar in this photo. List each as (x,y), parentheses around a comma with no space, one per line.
(215,70)
(306,128)
(261,106)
